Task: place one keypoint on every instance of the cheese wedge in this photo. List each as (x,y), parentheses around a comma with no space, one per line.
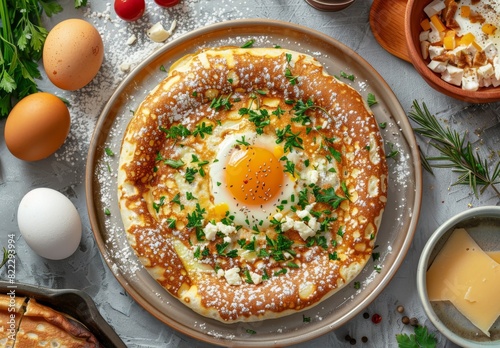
(465,275)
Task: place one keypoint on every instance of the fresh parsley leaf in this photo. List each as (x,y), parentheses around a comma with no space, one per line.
(330,197)
(158,205)
(291,139)
(174,163)
(221,101)
(420,339)
(371,99)
(175,132)
(202,129)
(347,76)
(248,43)
(109,152)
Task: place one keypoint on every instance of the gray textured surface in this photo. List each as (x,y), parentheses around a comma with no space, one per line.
(64,171)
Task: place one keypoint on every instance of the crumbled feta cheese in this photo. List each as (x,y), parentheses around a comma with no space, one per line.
(220,273)
(314,224)
(256,278)
(225,229)
(131,39)
(302,213)
(287,224)
(232,276)
(210,231)
(303,230)
(227,239)
(312,176)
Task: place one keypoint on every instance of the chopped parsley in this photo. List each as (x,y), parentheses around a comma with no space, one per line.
(371,99)
(288,72)
(157,206)
(176,132)
(291,139)
(242,141)
(171,223)
(347,76)
(248,43)
(219,102)
(174,163)
(202,129)
(109,152)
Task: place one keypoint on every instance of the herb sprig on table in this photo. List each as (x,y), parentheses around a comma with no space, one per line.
(22,36)
(420,339)
(455,152)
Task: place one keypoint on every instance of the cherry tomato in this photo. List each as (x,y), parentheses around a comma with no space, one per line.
(130,10)
(167,3)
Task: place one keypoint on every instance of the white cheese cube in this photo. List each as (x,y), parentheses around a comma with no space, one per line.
(485,71)
(435,51)
(495,82)
(469,80)
(232,276)
(424,35)
(490,50)
(484,82)
(434,7)
(453,75)
(424,48)
(437,66)
(435,35)
(471,49)
(496,66)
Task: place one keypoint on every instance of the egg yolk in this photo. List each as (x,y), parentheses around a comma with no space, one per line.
(254,175)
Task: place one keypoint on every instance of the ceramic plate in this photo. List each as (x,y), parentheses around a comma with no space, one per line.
(399,221)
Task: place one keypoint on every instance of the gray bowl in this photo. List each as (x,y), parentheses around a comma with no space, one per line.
(482,224)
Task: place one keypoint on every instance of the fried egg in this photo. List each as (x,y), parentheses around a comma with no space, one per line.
(248,175)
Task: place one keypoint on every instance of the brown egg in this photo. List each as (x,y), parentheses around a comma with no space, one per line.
(37,126)
(72,54)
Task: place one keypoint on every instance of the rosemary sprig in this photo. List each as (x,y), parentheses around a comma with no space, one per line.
(455,153)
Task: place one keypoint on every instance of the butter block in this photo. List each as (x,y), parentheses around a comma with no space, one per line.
(465,275)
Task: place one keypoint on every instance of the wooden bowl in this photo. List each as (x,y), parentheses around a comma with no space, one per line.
(414,15)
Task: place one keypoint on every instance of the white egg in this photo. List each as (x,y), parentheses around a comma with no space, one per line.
(49,223)
(248,176)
